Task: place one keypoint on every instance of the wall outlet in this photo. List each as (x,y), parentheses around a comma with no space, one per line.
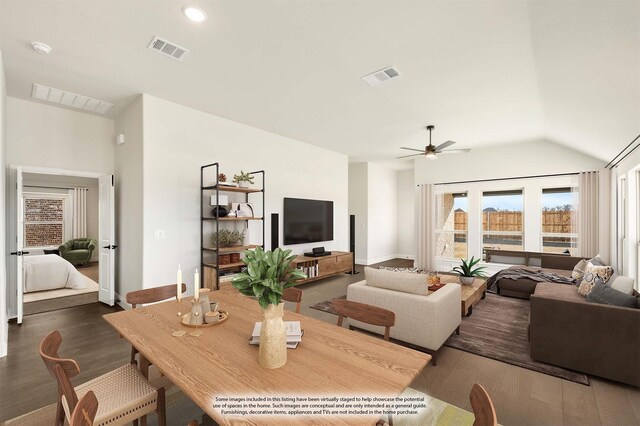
(158,234)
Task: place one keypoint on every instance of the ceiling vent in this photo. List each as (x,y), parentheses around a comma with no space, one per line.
(381,76)
(57,96)
(167,48)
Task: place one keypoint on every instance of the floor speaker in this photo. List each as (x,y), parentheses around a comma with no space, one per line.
(352,243)
(275,223)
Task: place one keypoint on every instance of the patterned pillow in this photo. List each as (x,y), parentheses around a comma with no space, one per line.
(594,275)
(409,270)
(578,271)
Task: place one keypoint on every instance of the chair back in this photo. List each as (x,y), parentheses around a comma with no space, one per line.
(152,295)
(294,295)
(364,313)
(85,411)
(483,409)
(60,368)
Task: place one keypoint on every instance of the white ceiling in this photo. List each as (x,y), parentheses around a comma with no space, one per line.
(484,72)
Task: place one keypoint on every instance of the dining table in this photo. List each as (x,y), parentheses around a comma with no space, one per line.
(220,363)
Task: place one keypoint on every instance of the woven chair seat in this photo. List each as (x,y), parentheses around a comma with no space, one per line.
(123,396)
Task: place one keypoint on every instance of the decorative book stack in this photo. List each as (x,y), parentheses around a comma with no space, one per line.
(294,334)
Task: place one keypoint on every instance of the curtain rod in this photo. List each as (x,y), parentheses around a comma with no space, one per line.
(53,187)
(508,178)
(620,153)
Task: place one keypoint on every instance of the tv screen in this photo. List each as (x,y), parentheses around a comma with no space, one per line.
(307,221)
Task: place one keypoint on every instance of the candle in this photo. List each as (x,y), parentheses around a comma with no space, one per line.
(179,284)
(196,285)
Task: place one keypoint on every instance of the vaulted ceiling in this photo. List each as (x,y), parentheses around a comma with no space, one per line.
(484,72)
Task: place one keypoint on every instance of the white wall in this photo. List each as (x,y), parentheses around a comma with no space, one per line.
(128,200)
(406,199)
(358,206)
(496,162)
(382,204)
(178,140)
(3,259)
(48,136)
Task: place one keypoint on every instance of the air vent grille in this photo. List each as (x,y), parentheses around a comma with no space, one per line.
(167,48)
(381,76)
(57,96)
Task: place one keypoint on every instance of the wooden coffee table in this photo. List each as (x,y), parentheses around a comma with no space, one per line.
(471,294)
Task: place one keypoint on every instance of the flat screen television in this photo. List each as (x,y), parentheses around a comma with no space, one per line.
(307,221)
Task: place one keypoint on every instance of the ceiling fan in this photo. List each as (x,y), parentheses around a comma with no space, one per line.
(430,151)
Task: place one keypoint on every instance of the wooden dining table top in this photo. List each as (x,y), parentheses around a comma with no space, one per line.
(330,360)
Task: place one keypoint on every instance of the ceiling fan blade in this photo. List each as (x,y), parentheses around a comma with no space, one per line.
(455,151)
(412,149)
(412,155)
(444,145)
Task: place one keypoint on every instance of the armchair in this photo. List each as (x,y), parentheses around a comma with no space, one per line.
(78,251)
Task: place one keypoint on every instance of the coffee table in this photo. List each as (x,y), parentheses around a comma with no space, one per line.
(471,294)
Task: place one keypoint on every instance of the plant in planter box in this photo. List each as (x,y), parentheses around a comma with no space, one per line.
(466,272)
(268,274)
(227,238)
(243,179)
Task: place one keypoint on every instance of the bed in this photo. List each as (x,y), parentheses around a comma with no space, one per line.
(50,272)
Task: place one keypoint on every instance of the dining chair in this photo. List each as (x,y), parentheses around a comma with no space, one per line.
(365,313)
(294,295)
(123,394)
(86,409)
(483,409)
(150,295)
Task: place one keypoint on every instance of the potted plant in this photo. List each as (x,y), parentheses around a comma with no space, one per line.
(243,179)
(268,274)
(466,272)
(226,238)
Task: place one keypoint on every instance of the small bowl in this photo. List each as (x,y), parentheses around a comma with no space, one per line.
(211,317)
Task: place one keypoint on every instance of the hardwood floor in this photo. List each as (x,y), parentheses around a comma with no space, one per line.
(90,270)
(521,397)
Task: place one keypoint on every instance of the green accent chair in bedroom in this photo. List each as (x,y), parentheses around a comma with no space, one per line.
(78,251)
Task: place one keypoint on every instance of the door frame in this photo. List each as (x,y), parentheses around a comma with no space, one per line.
(12,300)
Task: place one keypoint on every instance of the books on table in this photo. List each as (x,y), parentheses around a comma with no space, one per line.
(294,334)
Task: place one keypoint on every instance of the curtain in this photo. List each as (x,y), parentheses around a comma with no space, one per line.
(588,214)
(425,218)
(79,212)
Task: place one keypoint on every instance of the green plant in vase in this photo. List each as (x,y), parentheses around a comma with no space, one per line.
(268,274)
(467,273)
(243,179)
(227,238)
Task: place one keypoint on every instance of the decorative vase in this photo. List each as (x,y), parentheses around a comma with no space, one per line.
(196,317)
(273,338)
(243,184)
(466,280)
(219,211)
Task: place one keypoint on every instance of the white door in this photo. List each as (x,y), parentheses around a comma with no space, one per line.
(106,241)
(17,255)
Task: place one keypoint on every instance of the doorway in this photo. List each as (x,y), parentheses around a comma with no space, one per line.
(63,226)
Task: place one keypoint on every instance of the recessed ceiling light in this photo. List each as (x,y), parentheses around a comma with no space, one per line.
(41,47)
(194,13)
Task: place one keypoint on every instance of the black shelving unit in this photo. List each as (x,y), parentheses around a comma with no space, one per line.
(210,255)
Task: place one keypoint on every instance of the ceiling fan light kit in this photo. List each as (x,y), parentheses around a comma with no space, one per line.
(430,151)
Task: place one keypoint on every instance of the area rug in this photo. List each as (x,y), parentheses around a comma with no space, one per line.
(497,329)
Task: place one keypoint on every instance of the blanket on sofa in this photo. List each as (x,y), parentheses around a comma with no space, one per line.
(524,273)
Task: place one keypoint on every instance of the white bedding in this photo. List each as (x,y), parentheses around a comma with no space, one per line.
(48,272)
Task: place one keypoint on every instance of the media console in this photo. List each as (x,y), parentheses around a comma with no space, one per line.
(337,262)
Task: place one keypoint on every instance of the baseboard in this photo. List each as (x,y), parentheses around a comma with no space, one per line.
(120,302)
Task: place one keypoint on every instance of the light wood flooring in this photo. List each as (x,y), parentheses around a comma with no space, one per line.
(522,397)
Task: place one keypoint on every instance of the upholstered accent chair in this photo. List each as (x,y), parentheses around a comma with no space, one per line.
(78,251)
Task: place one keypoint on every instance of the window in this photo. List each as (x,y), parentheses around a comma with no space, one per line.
(451,225)
(502,219)
(43,220)
(559,221)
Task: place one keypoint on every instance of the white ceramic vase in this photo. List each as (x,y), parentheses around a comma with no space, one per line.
(273,338)
(466,280)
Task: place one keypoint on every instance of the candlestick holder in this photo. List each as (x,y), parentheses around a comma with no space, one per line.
(179,303)
(196,318)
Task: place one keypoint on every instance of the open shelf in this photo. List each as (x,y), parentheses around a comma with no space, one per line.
(223,188)
(227,266)
(234,249)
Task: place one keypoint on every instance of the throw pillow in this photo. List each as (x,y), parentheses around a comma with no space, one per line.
(601,293)
(594,275)
(597,260)
(397,281)
(621,283)
(578,271)
(409,270)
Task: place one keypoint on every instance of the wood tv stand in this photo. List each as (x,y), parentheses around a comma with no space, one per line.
(337,262)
